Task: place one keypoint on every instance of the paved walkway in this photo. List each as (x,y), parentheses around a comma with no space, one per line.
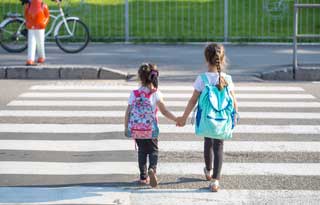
(176,62)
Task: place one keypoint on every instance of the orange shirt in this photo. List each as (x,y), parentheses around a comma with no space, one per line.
(36,14)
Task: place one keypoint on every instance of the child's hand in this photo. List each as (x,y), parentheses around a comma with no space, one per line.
(236,118)
(181,121)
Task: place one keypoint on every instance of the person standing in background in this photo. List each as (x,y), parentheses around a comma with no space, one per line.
(37,17)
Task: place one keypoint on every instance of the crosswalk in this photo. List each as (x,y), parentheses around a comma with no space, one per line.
(67,138)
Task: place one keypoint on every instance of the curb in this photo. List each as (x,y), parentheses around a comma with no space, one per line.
(65,72)
(310,73)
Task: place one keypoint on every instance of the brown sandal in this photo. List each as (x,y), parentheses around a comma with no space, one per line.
(153,178)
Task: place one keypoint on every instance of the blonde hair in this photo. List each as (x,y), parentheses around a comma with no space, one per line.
(215,56)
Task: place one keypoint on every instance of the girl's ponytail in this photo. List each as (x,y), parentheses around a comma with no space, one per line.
(214,54)
(218,65)
(148,73)
(153,77)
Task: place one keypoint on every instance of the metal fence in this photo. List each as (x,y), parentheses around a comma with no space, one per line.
(296,36)
(188,20)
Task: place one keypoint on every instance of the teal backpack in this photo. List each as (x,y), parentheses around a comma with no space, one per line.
(215,112)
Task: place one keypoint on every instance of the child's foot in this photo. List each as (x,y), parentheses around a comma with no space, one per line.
(214,186)
(153,178)
(144,181)
(41,60)
(208,174)
(30,63)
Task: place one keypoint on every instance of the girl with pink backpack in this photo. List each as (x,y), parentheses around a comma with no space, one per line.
(141,121)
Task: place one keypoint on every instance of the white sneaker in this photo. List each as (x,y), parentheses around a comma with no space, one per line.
(214,186)
(208,174)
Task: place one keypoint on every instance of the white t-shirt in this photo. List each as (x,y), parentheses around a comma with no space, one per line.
(154,98)
(213,79)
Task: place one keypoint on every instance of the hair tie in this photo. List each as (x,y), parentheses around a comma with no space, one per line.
(153,74)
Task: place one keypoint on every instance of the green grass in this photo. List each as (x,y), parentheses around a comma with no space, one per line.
(187,20)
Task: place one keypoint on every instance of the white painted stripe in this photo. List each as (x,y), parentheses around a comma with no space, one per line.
(63,195)
(107,195)
(165,146)
(280,115)
(164,128)
(164,88)
(93,103)
(98,168)
(280,104)
(168,95)
(224,197)
(91,113)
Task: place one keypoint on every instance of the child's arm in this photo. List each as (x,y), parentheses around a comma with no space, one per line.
(126,120)
(235,102)
(192,102)
(165,111)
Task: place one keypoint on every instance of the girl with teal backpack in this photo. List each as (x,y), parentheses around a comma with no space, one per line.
(217,111)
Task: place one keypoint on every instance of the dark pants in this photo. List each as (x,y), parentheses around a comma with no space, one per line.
(213,153)
(147,147)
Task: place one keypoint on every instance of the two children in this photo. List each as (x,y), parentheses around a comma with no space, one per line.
(148,75)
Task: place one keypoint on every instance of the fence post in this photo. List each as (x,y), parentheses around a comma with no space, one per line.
(127,20)
(295,33)
(226,20)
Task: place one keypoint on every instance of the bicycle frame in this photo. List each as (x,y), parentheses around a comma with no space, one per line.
(64,21)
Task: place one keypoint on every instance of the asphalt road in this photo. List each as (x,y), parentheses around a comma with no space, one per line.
(39,148)
(177,62)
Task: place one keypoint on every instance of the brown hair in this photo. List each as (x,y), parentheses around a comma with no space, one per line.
(215,56)
(148,74)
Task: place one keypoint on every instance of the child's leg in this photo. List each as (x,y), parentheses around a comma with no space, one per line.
(31,45)
(142,158)
(40,35)
(153,161)
(218,158)
(153,154)
(208,146)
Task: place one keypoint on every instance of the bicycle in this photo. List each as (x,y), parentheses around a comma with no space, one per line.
(70,33)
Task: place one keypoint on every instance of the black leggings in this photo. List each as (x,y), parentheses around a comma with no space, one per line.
(213,152)
(147,147)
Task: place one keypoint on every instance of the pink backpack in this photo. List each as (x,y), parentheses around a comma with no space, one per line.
(143,123)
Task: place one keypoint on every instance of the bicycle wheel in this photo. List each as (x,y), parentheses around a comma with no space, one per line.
(13,36)
(77,40)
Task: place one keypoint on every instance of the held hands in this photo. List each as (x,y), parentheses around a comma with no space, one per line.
(181,121)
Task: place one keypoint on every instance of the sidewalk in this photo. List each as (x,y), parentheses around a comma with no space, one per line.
(176,62)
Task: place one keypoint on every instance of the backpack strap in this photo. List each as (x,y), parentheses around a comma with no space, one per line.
(137,93)
(204,79)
